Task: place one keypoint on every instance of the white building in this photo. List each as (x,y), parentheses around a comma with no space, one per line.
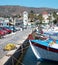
(25,18)
(45,16)
(6,21)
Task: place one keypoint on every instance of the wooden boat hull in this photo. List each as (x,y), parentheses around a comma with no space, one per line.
(44,52)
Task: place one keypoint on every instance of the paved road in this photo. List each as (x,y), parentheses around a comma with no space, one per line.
(13,38)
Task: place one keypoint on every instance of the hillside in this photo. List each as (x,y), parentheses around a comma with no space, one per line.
(9,10)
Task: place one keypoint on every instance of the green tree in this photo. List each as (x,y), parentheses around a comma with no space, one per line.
(56,17)
(55,21)
(31,15)
(50,18)
(40,17)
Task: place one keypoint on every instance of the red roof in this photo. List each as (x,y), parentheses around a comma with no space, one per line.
(44,12)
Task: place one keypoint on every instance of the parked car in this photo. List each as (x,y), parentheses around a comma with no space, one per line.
(1,29)
(11,28)
(6,29)
(23,27)
(2,32)
(18,28)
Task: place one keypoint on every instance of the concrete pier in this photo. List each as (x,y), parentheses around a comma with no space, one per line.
(17,38)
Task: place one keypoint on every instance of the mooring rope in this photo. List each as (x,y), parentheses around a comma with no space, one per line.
(16,60)
(13,58)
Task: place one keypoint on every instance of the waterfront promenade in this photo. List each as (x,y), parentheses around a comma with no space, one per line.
(17,38)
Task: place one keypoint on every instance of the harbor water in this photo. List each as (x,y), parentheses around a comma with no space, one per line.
(30,59)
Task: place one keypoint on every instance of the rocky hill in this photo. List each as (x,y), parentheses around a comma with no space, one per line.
(10,10)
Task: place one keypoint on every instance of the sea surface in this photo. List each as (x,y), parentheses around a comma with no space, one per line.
(30,59)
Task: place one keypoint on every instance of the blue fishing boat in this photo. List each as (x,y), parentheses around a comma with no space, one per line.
(44,48)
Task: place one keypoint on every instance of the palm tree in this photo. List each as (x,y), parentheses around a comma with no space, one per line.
(31,15)
(57,19)
(40,17)
(50,18)
(54,15)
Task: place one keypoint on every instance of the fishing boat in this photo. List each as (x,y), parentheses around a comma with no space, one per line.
(51,32)
(44,49)
(52,36)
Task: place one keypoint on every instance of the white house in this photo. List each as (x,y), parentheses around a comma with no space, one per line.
(45,16)
(25,18)
(6,20)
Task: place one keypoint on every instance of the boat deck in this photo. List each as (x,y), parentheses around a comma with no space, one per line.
(44,42)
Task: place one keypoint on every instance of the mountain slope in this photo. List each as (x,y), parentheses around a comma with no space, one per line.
(10,10)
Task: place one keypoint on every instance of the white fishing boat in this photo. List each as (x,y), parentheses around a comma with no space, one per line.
(51,32)
(54,37)
(44,49)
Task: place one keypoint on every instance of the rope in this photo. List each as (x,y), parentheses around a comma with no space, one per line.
(16,60)
(22,49)
(18,51)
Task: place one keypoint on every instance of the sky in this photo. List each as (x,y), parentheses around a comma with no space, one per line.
(32,3)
